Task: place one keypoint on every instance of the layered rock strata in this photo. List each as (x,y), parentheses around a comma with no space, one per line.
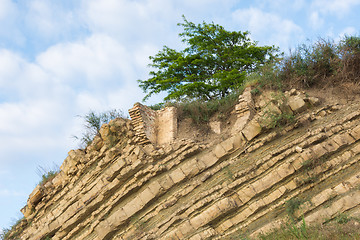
(123,188)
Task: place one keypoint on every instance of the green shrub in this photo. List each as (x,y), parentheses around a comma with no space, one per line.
(349,45)
(201,111)
(47,174)
(349,66)
(157,106)
(292,205)
(94,121)
(289,231)
(4,233)
(310,64)
(14,231)
(276,120)
(267,76)
(315,64)
(342,218)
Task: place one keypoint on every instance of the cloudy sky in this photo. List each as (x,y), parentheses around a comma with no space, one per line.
(60,59)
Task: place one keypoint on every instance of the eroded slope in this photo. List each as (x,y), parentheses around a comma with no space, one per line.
(120,189)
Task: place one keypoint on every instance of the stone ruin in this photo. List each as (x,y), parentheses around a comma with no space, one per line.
(158,127)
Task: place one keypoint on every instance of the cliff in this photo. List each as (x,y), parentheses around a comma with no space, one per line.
(139,179)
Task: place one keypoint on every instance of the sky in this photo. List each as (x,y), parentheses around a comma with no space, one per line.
(61,59)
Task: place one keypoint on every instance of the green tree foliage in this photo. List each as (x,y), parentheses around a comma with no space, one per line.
(214,63)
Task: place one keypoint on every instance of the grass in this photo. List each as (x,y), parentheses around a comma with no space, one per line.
(201,111)
(47,174)
(342,218)
(291,206)
(93,122)
(14,231)
(335,230)
(276,120)
(316,64)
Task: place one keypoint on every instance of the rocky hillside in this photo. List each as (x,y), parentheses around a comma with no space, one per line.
(283,157)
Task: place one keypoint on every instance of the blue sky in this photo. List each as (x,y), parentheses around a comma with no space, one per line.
(60,59)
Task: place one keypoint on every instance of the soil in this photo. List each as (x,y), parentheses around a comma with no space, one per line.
(187,129)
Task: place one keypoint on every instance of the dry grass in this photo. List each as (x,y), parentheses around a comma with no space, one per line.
(334,230)
(322,64)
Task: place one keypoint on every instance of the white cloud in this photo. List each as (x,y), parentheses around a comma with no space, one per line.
(41,17)
(66,80)
(298,4)
(21,119)
(280,5)
(7,8)
(348,31)
(11,193)
(50,19)
(86,100)
(271,27)
(9,19)
(335,7)
(93,62)
(316,21)
(10,65)
(130,21)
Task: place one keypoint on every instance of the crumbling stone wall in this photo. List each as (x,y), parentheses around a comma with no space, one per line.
(158,127)
(143,118)
(166,125)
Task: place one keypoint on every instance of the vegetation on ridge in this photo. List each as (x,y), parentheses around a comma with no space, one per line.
(47,174)
(321,64)
(93,122)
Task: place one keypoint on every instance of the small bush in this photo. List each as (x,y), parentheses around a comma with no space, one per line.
(319,64)
(4,233)
(267,76)
(47,174)
(308,164)
(310,64)
(291,206)
(349,64)
(276,113)
(201,111)
(157,106)
(342,218)
(14,231)
(289,231)
(276,120)
(93,123)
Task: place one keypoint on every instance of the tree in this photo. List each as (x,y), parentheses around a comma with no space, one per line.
(214,63)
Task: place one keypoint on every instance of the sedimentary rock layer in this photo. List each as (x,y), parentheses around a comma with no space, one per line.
(118,188)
